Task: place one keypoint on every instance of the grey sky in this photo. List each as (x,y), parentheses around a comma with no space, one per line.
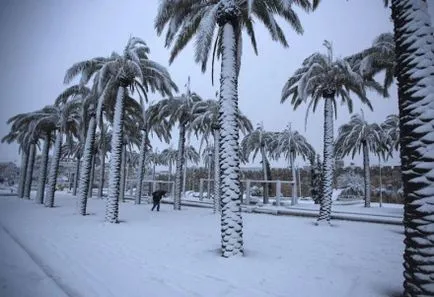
(41,39)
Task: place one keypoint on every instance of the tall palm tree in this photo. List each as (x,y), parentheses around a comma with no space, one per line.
(66,119)
(258,141)
(324,78)
(414,41)
(358,135)
(177,110)
(205,123)
(291,143)
(133,70)
(185,19)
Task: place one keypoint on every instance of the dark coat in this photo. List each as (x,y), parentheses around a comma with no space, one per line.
(157,195)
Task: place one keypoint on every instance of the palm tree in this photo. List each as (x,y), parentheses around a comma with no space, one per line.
(177,110)
(152,125)
(185,19)
(205,123)
(391,128)
(291,143)
(322,77)
(132,70)
(358,135)
(168,158)
(415,71)
(190,154)
(66,120)
(258,141)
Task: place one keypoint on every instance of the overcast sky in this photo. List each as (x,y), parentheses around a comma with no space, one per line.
(41,39)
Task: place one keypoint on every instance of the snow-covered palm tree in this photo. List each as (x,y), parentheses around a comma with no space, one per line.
(391,129)
(133,70)
(205,123)
(186,19)
(66,119)
(414,41)
(178,110)
(152,125)
(262,142)
(324,78)
(20,131)
(291,143)
(359,135)
(168,158)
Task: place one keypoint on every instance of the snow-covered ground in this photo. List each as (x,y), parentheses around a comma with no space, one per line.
(176,253)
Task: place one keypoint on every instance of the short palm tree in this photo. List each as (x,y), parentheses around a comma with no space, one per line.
(168,158)
(358,135)
(260,141)
(391,128)
(291,143)
(185,19)
(324,78)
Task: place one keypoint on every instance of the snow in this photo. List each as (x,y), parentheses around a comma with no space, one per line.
(176,253)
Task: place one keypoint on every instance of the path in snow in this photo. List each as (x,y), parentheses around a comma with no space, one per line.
(20,276)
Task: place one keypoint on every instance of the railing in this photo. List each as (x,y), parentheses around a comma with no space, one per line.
(247,182)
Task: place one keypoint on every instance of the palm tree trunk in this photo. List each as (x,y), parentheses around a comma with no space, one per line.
(294,179)
(54,170)
(264,169)
(92,175)
(179,168)
(327,187)
(76,176)
(217,204)
(29,173)
(415,72)
(123,173)
(231,219)
(43,171)
(184,177)
(142,167)
(112,206)
(367,175)
(23,172)
(86,166)
(208,190)
(101,173)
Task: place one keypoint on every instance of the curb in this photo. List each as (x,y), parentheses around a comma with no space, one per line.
(377,219)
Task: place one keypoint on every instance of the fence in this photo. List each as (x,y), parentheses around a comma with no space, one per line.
(247,189)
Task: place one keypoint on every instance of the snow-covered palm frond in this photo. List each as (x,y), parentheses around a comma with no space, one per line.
(392,131)
(290,143)
(84,68)
(256,140)
(356,133)
(322,75)
(184,19)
